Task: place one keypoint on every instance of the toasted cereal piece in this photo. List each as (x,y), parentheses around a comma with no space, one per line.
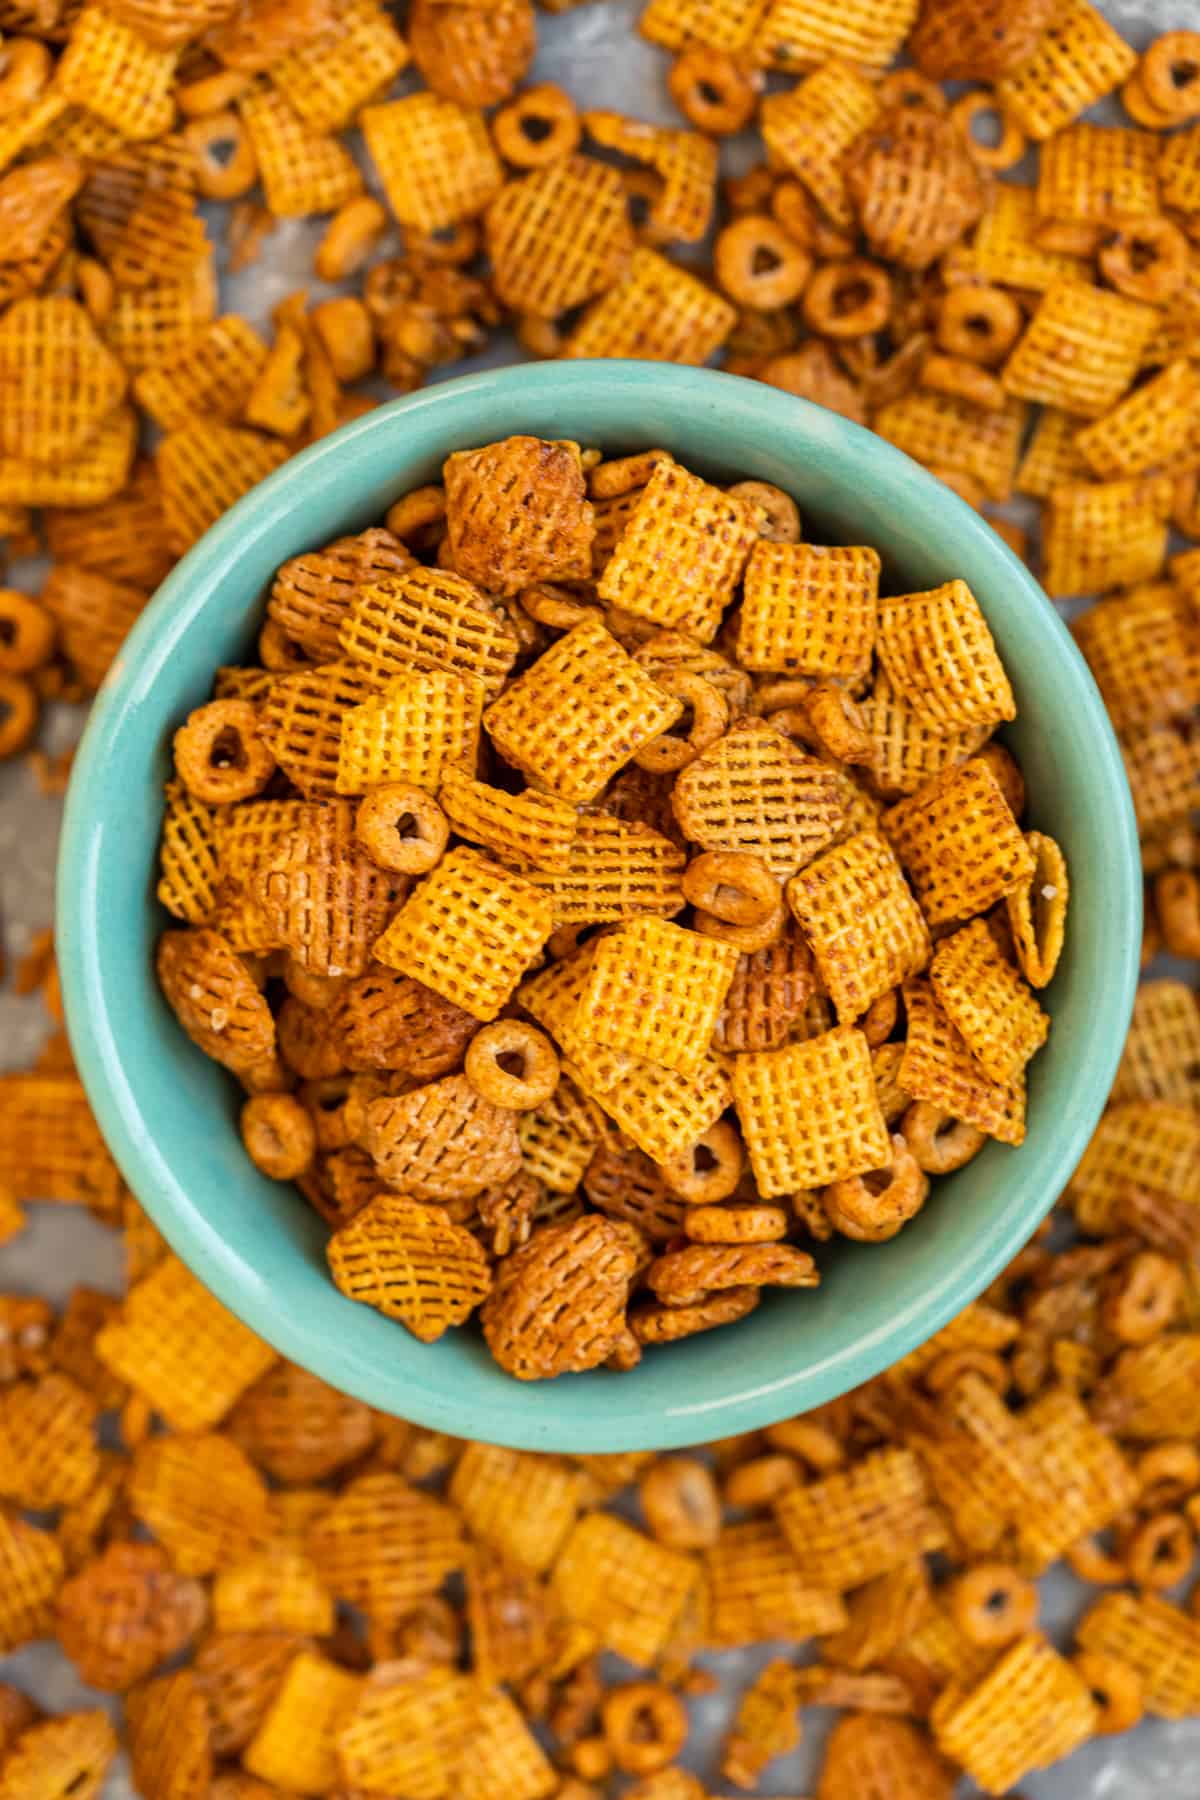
(523,1506)
(58,380)
(757,1590)
(1145,1145)
(1156,1640)
(203,469)
(558,1303)
(322,896)
(468,931)
(1098,175)
(946,433)
(867,1751)
(794,36)
(472,56)
(213,996)
(809,608)
(662,1112)
(809,1112)
(1078,59)
(28,123)
(144,325)
(654,991)
(676,24)
(559,236)
(410,1732)
(240,1674)
(69,1754)
(857,1523)
(31,1562)
(302,170)
(1053,458)
(1102,533)
(509,1616)
(115,72)
(681,554)
(209,380)
(915,185)
(124,539)
(32,198)
(614,870)
(295,1744)
(910,747)
(959,843)
(1089,1483)
(203,1499)
(755,791)
(411,1263)
(179,1347)
(764,1726)
(442,1141)
(623,1183)
(941,659)
(1161,1058)
(384,1546)
(558,1139)
(272,1589)
(938,1067)
(1143,652)
(808,130)
(680,203)
(48,1454)
(1081,350)
(623,1586)
(297,1428)
(435,159)
(311,594)
(1005,248)
(768,996)
(987,1002)
(688,1276)
(1150,1391)
(657,311)
(1030,1710)
(415,730)
(53,1146)
(94,615)
(125,1612)
(302,722)
(861,922)
(964,40)
(428,619)
(1179,170)
(517,513)
(1150,427)
(881,1615)
(327,79)
(532,830)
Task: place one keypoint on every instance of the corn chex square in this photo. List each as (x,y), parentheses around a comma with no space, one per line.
(861,921)
(941,658)
(422,725)
(809,608)
(959,842)
(655,991)
(988,1002)
(809,1113)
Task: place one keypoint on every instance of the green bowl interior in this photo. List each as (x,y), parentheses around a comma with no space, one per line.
(170,1114)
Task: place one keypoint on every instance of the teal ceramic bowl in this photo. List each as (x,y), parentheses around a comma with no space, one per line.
(170,1115)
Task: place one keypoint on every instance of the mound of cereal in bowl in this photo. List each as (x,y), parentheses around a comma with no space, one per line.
(605,897)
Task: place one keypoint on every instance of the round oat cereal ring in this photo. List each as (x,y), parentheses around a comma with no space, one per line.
(1116,1688)
(279,1135)
(1137,104)
(848,299)
(538,127)
(759,265)
(879,1021)
(873,1208)
(949,1369)
(1147,260)
(709,717)
(1145,1298)
(219,755)
(938,1142)
(226,166)
(26,633)
(18,713)
(1159,1551)
(839,723)
(512,1064)
(782,514)
(993,1605)
(549,603)
(1093,1564)
(1169,74)
(908,87)
(746,938)
(680,1502)
(1167,1473)
(279,652)
(402,828)
(708,1170)
(732,886)
(1010,142)
(645,1726)
(452,244)
(713,90)
(25,70)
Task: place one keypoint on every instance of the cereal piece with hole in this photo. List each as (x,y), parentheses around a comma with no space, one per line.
(517,513)
(959,843)
(809,609)
(941,659)
(418,728)
(938,1067)
(654,991)
(658,312)
(434,158)
(1031,1710)
(860,920)
(411,1263)
(559,236)
(988,1003)
(809,1113)
(1156,1640)
(1081,349)
(857,1523)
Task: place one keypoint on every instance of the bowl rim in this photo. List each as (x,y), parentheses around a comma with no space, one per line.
(171,613)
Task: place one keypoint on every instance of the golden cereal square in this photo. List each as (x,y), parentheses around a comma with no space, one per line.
(959,843)
(625,1587)
(716,24)
(1030,1710)
(1005,249)
(1152,1146)
(860,1522)
(1161,1058)
(614,870)
(860,920)
(1089,1482)
(59,382)
(294,1745)
(412,1263)
(910,747)
(1149,427)
(435,159)
(312,593)
(809,1112)
(203,469)
(149,325)
(988,1001)
(116,73)
(522,1505)
(682,553)
(517,513)
(1158,1641)
(469,931)
(1079,58)
(428,619)
(301,720)
(756,791)
(938,1067)
(808,130)
(329,78)
(531,830)
(680,204)
(1105,533)
(1052,456)
(655,991)
(809,608)
(1099,174)
(579,714)
(658,312)
(1179,170)
(187,856)
(658,1109)
(302,171)
(941,659)
(421,725)
(1144,653)
(946,432)
(757,1589)
(799,34)
(559,236)
(1081,349)
(208,380)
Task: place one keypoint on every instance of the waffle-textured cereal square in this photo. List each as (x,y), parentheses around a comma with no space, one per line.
(869,1752)
(469,931)
(275,1589)
(302,170)
(1005,248)
(946,432)
(1161,1058)
(1179,170)
(410,1734)
(58,381)
(716,24)
(31,1573)
(48,1451)
(757,1589)
(988,1002)
(859,1522)
(939,1067)
(53,1146)
(798,34)
(329,78)
(1081,349)
(504,1760)
(559,236)
(294,1747)
(654,991)
(1030,1710)
(808,130)
(809,1113)
(530,829)
(682,553)
(124,539)
(959,843)
(558,1140)
(443,1141)
(579,713)
(915,186)
(323,897)
(428,619)
(1079,58)
(203,468)
(312,593)
(962,40)
(420,726)
(435,159)
(69,1754)
(385,1546)
(1087,1482)
(1147,1145)
(177,1345)
(768,997)
(1105,533)
(861,922)
(881,1615)
(658,312)
(517,513)
(94,614)
(809,608)
(1143,651)
(1148,428)
(203,1499)
(660,1110)
(115,72)
(625,1587)
(208,380)
(941,659)
(1162,764)
(1099,174)
(1052,456)
(756,791)
(1158,1642)
(412,1263)
(301,721)
(509,1618)
(522,1505)
(910,747)
(146,325)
